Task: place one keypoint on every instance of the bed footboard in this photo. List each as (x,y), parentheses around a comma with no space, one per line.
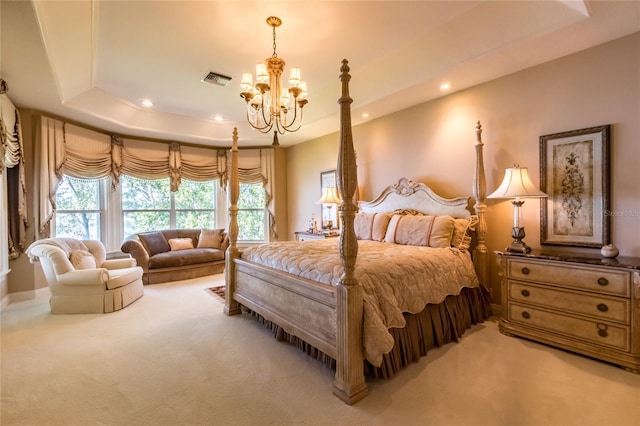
(301,307)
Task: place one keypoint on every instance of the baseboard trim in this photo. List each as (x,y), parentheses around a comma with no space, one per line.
(496,309)
(25,298)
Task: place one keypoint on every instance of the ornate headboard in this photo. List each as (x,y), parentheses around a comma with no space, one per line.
(410,195)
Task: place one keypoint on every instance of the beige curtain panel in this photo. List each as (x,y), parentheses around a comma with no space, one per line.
(75,151)
(12,157)
(257,166)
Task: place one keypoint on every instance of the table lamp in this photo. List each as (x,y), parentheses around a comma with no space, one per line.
(516,185)
(329,198)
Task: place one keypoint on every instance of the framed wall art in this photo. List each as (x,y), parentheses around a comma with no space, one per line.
(574,172)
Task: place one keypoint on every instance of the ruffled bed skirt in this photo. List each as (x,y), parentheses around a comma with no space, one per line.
(434,326)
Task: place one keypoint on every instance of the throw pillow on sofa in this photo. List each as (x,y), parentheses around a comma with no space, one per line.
(154,242)
(211,238)
(180,244)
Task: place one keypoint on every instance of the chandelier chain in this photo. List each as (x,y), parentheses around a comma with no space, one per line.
(275,55)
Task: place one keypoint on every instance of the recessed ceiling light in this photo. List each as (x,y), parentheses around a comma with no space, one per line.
(445,86)
(218,118)
(365,115)
(147,103)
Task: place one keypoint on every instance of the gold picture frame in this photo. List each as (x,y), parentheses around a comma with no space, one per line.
(574,173)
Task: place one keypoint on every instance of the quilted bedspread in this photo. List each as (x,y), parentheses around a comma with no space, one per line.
(395,278)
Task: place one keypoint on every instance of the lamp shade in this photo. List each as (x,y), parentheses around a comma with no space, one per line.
(329,196)
(516,184)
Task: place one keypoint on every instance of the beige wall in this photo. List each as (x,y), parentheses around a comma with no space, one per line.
(434,142)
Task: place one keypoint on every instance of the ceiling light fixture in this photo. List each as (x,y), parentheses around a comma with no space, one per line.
(269,105)
(147,103)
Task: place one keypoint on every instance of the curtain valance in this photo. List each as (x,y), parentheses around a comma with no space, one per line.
(84,153)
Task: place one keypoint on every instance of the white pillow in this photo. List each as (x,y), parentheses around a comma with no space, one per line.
(82,259)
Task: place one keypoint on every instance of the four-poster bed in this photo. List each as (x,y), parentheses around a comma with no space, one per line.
(348,300)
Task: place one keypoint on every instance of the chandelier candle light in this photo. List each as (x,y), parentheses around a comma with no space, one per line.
(517,185)
(269,106)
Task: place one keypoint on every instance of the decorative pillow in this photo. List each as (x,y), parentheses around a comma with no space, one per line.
(363,225)
(463,229)
(211,238)
(154,242)
(421,230)
(371,226)
(180,243)
(82,259)
(380,224)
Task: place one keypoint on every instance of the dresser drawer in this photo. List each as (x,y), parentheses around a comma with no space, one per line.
(604,307)
(601,333)
(572,276)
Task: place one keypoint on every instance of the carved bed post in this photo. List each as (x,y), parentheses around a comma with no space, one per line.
(349,384)
(231,307)
(480,194)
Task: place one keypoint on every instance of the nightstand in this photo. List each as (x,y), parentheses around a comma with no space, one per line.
(581,303)
(306,236)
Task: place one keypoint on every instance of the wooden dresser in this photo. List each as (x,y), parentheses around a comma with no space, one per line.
(588,305)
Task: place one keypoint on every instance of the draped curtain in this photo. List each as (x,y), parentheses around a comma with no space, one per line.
(12,167)
(257,166)
(71,150)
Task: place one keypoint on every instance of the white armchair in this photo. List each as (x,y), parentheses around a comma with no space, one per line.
(80,278)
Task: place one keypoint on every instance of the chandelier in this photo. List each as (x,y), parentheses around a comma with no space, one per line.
(269,105)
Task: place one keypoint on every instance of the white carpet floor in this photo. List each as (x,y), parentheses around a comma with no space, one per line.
(173,358)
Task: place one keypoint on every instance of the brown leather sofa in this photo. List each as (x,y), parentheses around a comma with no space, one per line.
(177,254)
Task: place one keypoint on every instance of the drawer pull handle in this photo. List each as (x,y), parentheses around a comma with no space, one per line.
(602,330)
(602,307)
(603,281)
(525,293)
(525,271)
(526,315)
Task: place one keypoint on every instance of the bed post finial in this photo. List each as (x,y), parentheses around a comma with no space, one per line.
(349,384)
(231,307)
(480,207)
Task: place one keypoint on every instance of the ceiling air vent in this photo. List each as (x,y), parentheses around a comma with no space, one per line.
(215,78)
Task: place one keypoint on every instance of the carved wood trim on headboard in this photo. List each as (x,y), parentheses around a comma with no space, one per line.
(410,195)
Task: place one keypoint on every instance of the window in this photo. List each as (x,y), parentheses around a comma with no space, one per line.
(195,204)
(150,204)
(78,208)
(88,209)
(146,204)
(251,212)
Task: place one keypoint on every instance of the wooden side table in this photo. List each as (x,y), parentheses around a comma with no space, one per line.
(585,304)
(307,236)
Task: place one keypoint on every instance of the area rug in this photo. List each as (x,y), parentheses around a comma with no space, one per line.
(217,292)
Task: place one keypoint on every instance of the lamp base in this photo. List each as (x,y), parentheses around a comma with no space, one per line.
(517,245)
